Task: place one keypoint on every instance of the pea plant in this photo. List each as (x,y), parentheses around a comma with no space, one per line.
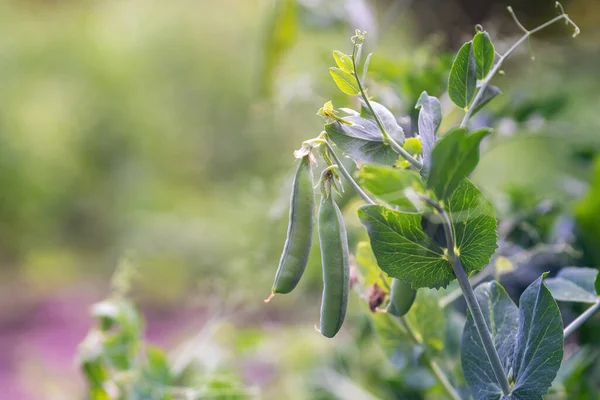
(429,225)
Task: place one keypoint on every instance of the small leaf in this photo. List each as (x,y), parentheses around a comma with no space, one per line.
(484,52)
(501,315)
(574,284)
(386,117)
(362,140)
(345,81)
(343,61)
(489,93)
(463,77)
(453,158)
(404,251)
(391,184)
(539,346)
(430,118)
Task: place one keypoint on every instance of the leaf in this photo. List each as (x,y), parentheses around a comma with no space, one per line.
(386,117)
(484,52)
(597,284)
(489,93)
(574,284)
(453,158)
(404,251)
(463,77)
(367,263)
(343,61)
(345,81)
(362,141)
(430,118)
(501,316)
(391,184)
(280,34)
(428,319)
(539,345)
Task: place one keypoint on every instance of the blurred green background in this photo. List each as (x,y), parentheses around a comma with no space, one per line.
(165,130)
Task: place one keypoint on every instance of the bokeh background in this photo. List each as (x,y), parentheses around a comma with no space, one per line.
(165,131)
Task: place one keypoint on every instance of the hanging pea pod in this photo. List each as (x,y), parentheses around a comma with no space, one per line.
(335,263)
(300,230)
(402,297)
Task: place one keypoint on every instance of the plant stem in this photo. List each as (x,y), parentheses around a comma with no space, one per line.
(431,363)
(502,58)
(475,280)
(573,326)
(347,175)
(471,300)
(384,134)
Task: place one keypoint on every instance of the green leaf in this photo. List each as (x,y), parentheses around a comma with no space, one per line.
(367,263)
(157,368)
(362,141)
(428,319)
(463,77)
(453,158)
(539,344)
(345,81)
(501,316)
(386,117)
(343,61)
(574,284)
(391,184)
(483,50)
(430,118)
(404,251)
(597,285)
(489,93)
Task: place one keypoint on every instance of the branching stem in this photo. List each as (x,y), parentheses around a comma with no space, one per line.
(503,57)
(573,326)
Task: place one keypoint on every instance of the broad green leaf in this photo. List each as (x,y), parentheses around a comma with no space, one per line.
(391,184)
(430,118)
(453,158)
(404,251)
(501,316)
(345,81)
(483,50)
(362,141)
(279,36)
(428,319)
(539,344)
(463,77)
(489,93)
(387,119)
(343,61)
(574,284)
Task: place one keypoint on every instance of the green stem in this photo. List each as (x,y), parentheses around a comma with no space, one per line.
(573,326)
(502,58)
(431,363)
(347,175)
(471,300)
(475,280)
(384,134)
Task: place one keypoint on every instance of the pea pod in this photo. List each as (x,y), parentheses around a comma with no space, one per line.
(336,267)
(300,230)
(402,296)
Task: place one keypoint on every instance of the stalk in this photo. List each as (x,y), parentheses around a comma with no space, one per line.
(573,326)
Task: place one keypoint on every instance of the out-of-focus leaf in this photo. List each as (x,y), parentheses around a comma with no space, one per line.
(391,184)
(489,93)
(430,118)
(539,345)
(453,158)
(386,117)
(343,61)
(501,316)
(574,284)
(367,263)
(280,34)
(428,319)
(157,369)
(463,77)
(484,52)
(404,251)
(345,81)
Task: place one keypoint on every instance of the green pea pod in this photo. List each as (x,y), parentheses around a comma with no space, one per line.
(300,230)
(336,266)
(402,297)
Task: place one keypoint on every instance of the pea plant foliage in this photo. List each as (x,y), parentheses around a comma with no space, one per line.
(428,226)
